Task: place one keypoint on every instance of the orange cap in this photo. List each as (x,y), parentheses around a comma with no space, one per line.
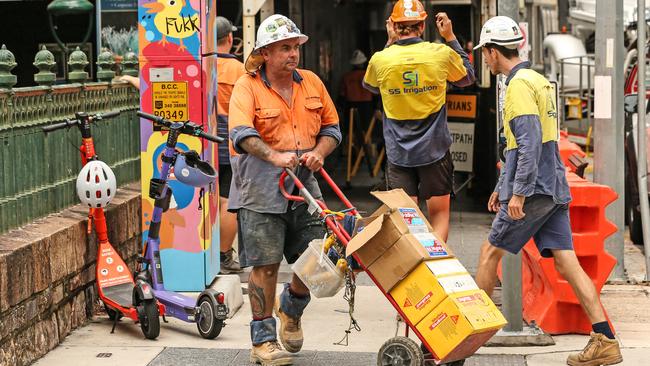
(408,11)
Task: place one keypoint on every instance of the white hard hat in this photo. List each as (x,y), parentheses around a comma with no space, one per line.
(358,58)
(96,184)
(501,30)
(273,29)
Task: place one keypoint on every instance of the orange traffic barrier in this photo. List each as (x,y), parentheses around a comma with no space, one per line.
(567,149)
(547,298)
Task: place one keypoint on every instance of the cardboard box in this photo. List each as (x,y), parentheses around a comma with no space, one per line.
(369,243)
(397,216)
(398,260)
(428,284)
(460,324)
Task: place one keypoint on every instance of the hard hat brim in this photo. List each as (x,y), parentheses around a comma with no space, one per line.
(255,60)
(511,44)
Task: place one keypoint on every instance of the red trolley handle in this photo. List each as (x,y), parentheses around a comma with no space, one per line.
(320,206)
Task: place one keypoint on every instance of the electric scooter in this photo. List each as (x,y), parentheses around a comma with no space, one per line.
(96,186)
(210,310)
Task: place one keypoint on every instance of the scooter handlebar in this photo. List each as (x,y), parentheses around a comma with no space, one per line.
(110,114)
(153,118)
(72,122)
(207,136)
(191,129)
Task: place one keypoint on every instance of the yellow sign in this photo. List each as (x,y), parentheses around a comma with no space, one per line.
(461,105)
(170,100)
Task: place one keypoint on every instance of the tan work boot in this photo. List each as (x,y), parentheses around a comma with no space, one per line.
(270,354)
(290,330)
(599,351)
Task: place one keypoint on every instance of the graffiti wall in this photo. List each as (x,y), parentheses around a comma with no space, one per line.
(175,83)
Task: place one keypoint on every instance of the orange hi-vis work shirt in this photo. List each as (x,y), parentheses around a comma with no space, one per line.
(229,70)
(257,110)
(352,87)
(255,104)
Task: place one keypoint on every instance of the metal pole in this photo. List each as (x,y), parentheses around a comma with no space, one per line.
(251,7)
(511,264)
(608,120)
(642,169)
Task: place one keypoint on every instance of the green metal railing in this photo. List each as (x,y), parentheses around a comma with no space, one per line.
(38,171)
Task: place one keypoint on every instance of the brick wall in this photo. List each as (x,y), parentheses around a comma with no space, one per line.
(47,275)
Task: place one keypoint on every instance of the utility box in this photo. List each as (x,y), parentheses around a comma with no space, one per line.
(178,80)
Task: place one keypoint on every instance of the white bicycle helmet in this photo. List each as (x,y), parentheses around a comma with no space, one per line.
(96,184)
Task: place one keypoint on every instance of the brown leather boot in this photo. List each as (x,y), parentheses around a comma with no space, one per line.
(290,330)
(599,351)
(270,354)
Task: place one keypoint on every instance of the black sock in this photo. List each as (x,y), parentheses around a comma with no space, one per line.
(603,328)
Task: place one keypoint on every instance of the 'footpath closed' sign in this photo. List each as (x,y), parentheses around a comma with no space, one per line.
(462,145)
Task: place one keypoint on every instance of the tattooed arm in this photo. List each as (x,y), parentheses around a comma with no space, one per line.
(256,147)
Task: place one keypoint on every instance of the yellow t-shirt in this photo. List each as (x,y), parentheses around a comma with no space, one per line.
(412,79)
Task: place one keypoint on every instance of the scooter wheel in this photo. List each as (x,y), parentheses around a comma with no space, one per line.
(207,323)
(112,314)
(149,318)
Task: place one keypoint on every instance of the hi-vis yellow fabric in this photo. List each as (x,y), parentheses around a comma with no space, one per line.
(412,79)
(529,93)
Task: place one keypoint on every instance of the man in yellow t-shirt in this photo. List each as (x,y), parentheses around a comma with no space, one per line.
(412,77)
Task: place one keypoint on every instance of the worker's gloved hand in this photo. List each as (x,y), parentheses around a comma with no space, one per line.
(444,27)
(284,159)
(313,160)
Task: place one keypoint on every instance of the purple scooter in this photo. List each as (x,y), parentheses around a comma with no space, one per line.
(209,311)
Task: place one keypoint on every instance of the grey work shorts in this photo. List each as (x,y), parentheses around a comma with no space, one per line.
(424,182)
(265,238)
(545,221)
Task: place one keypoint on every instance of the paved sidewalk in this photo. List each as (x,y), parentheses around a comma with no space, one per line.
(326,320)
(324,323)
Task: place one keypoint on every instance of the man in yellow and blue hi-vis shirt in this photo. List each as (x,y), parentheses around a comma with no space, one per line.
(412,76)
(532,196)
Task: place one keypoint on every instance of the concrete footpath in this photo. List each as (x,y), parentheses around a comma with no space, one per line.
(326,320)
(324,324)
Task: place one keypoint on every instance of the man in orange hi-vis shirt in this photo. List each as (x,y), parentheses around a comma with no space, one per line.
(280,116)
(229,70)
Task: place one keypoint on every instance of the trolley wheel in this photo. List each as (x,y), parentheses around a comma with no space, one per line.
(208,325)
(400,351)
(112,313)
(149,318)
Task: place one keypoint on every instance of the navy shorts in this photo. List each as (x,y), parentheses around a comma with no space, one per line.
(265,238)
(545,221)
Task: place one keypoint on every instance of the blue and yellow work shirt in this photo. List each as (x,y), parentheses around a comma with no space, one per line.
(412,75)
(533,163)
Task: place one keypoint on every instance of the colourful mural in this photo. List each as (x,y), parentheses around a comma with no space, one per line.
(171,54)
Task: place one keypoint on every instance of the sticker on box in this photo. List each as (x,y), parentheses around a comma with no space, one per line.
(433,246)
(446,267)
(453,284)
(413,220)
